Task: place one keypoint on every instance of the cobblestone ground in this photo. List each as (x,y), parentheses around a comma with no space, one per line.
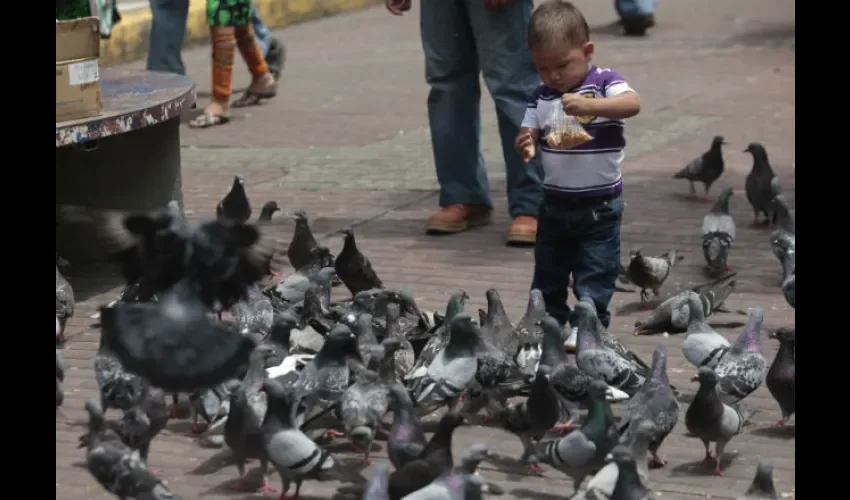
(361,157)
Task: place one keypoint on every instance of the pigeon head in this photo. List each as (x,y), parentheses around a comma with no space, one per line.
(457,301)
(673,256)
(238,181)
(551,332)
(706,377)
(763,480)
(478,453)
(269,208)
(399,397)
(463,331)
(749,339)
(718,141)
(597,390)
(622,454)
(535,301)
(282,327)
(325,275)
(587,322)
(94,410)
(300,216)
(784,334)
(659,365)
(695,311)
(760,162)
(390,346)
(364,300)
(393,312)
(340,343)
(348,240)
(754,148)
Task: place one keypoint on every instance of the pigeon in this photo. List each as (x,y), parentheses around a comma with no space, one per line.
(243,434)
(453,369)
(702,346)
(582,452)
(140,424)
(762,487)
(294,455)
(649,273)
(265,219)
(301,251)
(743,368)
(361,326)
(354,268)
(789,282)
(639,440)
(268,210)
(529,334)
(655,403)
(403,357)
(569,382)
(780,378)
(64,304)
(781,217)
(378,486)
(60,378)
(174,343)
(706,168)
(673,315)
(453,487)
(235,204)
(496,325)
(292,289)
(712,421)
(323,381)
(406,439)
(532,418)
(363,406)
(620,478)
(118,388)
(117,468)
(600,361)
(718,234)
(759,187)
(253,314)
(440,337)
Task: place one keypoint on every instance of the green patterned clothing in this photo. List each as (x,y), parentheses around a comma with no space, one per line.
(73,9)
(229,12)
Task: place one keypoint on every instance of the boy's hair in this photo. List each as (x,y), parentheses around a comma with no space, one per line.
(557,21)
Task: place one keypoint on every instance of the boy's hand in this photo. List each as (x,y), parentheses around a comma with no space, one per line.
(525,146)
(576,104)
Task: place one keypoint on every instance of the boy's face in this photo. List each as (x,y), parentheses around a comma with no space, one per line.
(563,66)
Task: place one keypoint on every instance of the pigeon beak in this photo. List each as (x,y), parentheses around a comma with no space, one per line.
(771,335)
(637,333)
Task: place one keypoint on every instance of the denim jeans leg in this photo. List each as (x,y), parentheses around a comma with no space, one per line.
(508,71)
(261,32)
(553,256)
(634,7)
(598,257)
(168,27)
(451,70)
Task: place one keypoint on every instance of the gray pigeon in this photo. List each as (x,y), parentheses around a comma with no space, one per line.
(294,455)
(496,325)
(712,421)
(469,463)
(531,419)
(243,434)
(301,249)
(119,388)
(211,405)
(620,478)
(649,273)
(363,406)
(291,290)
(781,378)
(655,403)
(789,277)
(582,452)
(673,315)
(718,234)
(323,381)
(235,204)
(403,357)
(117,468)
(64,304)
(440,338)
(406,439)
(781,217)
(706,168)
(254,314)
(378,486)
(353,268)
(759,187)
(762,487)
(569,382)
(453,487)
(361,326)
(60,378)
(703,346)
(529,334)
(597,359)
(639,441)
(742,369)
(453,369)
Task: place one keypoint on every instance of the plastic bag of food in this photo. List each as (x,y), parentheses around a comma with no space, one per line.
(564,131)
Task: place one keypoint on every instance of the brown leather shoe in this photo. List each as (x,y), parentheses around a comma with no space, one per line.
(523,231)
(458,218)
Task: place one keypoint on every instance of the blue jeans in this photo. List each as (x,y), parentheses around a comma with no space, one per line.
(168,28)
(461,38)
(627,8)
(582,240)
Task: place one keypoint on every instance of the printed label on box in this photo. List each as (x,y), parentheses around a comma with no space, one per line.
(83,72)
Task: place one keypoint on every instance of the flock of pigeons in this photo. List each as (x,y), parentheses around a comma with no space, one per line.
(291,368)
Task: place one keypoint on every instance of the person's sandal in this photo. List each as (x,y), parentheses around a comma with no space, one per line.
(251,98)
(207,120)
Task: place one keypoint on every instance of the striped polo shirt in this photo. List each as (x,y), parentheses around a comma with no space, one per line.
(591,169)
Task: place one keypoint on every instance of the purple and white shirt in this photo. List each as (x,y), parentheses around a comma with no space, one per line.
(593,168)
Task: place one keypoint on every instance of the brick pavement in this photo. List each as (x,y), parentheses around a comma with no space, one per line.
(701,73)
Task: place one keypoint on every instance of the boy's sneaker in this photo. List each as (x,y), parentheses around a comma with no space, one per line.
(570,343)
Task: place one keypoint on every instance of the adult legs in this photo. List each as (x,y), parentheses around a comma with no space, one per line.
(168,27)
(636,15)
(451,70)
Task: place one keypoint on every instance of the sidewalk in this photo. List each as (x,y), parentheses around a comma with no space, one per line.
(346,139)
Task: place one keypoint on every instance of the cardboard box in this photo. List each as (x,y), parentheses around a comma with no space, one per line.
(77,70)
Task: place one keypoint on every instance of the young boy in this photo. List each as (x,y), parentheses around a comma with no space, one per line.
(579,224)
